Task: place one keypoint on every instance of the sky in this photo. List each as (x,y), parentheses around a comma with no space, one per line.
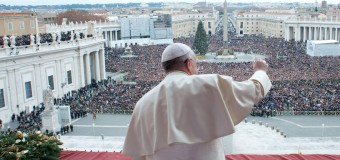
(58,2)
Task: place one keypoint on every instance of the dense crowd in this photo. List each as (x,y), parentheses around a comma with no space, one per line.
(107,96)
(31,121)
(300,82)
(28,122)
(304,95)
(145,66)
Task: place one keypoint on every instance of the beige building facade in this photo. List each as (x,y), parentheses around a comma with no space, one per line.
(185,24)
(47,18)
(18,23)
(333,12)
(288,25)
(268,24)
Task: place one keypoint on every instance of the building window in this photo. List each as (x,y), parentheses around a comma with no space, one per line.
(32,24)
(28,89)
(10,26)
(2,98)
(22,24)
(69,77)
(209,24)
(50,82)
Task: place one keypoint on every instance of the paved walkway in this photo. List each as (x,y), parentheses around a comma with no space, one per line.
(304,135)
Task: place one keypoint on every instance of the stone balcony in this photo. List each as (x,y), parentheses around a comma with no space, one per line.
(11,52)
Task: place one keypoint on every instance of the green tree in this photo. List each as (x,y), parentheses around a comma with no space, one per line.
(201,41)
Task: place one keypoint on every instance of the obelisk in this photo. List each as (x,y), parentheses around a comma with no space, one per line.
(225,25)
(226,50)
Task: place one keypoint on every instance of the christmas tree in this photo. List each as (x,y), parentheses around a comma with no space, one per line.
(201,42)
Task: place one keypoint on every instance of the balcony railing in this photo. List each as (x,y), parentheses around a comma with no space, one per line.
(43,47)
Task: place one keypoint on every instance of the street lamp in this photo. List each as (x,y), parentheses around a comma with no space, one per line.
(63,84)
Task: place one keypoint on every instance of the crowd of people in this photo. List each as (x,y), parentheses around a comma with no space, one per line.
(303,95)
(107,96)
(300,82)
(28,121)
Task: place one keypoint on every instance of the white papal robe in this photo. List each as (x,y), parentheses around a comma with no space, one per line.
(184,117)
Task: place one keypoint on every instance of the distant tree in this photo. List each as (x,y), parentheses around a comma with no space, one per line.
(201,41)
(78,16)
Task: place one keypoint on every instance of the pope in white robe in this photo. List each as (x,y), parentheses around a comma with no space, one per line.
(185,116)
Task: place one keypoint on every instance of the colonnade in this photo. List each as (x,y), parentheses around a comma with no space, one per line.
(113,35)
(312,32)
(92,66)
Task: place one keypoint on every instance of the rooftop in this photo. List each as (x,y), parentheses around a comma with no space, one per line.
(16,14)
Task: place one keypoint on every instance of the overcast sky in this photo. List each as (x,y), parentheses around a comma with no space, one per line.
(54,2)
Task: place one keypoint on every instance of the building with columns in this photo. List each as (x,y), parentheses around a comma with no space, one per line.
(146,30)
(137,30)
(62,65)
(307,28)
(288,25)
(111,33)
